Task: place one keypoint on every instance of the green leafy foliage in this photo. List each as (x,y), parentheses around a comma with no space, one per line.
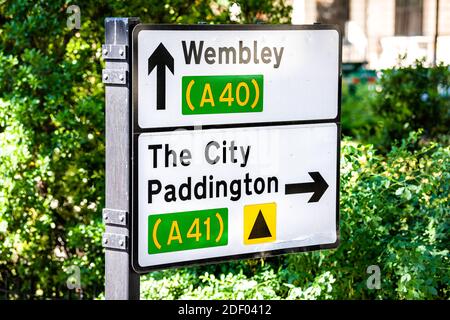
(196,284)
(411,98)
(52,147)
(394,205)
(405,98)
(358,118)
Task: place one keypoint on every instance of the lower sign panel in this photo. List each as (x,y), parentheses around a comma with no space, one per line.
(222,194)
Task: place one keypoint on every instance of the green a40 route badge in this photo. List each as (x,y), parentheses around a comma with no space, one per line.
(222,94)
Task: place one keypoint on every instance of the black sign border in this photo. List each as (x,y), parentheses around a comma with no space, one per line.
(136,131)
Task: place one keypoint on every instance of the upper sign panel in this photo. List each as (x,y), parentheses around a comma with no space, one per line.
(215,75)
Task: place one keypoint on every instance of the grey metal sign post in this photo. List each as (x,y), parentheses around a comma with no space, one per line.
(121,282)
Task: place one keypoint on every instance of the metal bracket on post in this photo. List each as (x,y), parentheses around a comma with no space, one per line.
(121,281)
(115,217)
(114,52)
(115,241)
(111,76)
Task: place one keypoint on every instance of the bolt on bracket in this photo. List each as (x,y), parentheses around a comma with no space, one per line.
(115,217)
(114,52)
(115,241)
(110,76)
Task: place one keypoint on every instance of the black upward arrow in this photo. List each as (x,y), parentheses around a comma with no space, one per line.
(160,58)
(318,187)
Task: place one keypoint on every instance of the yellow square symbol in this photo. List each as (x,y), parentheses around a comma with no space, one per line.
(260,223)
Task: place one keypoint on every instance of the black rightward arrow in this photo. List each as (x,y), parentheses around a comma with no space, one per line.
(318,187)
(160,58)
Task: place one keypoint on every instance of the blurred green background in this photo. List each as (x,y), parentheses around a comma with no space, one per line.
(395,177)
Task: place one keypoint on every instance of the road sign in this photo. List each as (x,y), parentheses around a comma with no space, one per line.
(262,176)
(185,75)
(232,192)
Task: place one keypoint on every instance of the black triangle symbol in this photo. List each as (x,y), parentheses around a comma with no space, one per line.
(260,228)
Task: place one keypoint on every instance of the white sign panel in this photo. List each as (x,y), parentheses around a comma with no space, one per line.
(262,178)
(220,193)
(209,75)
